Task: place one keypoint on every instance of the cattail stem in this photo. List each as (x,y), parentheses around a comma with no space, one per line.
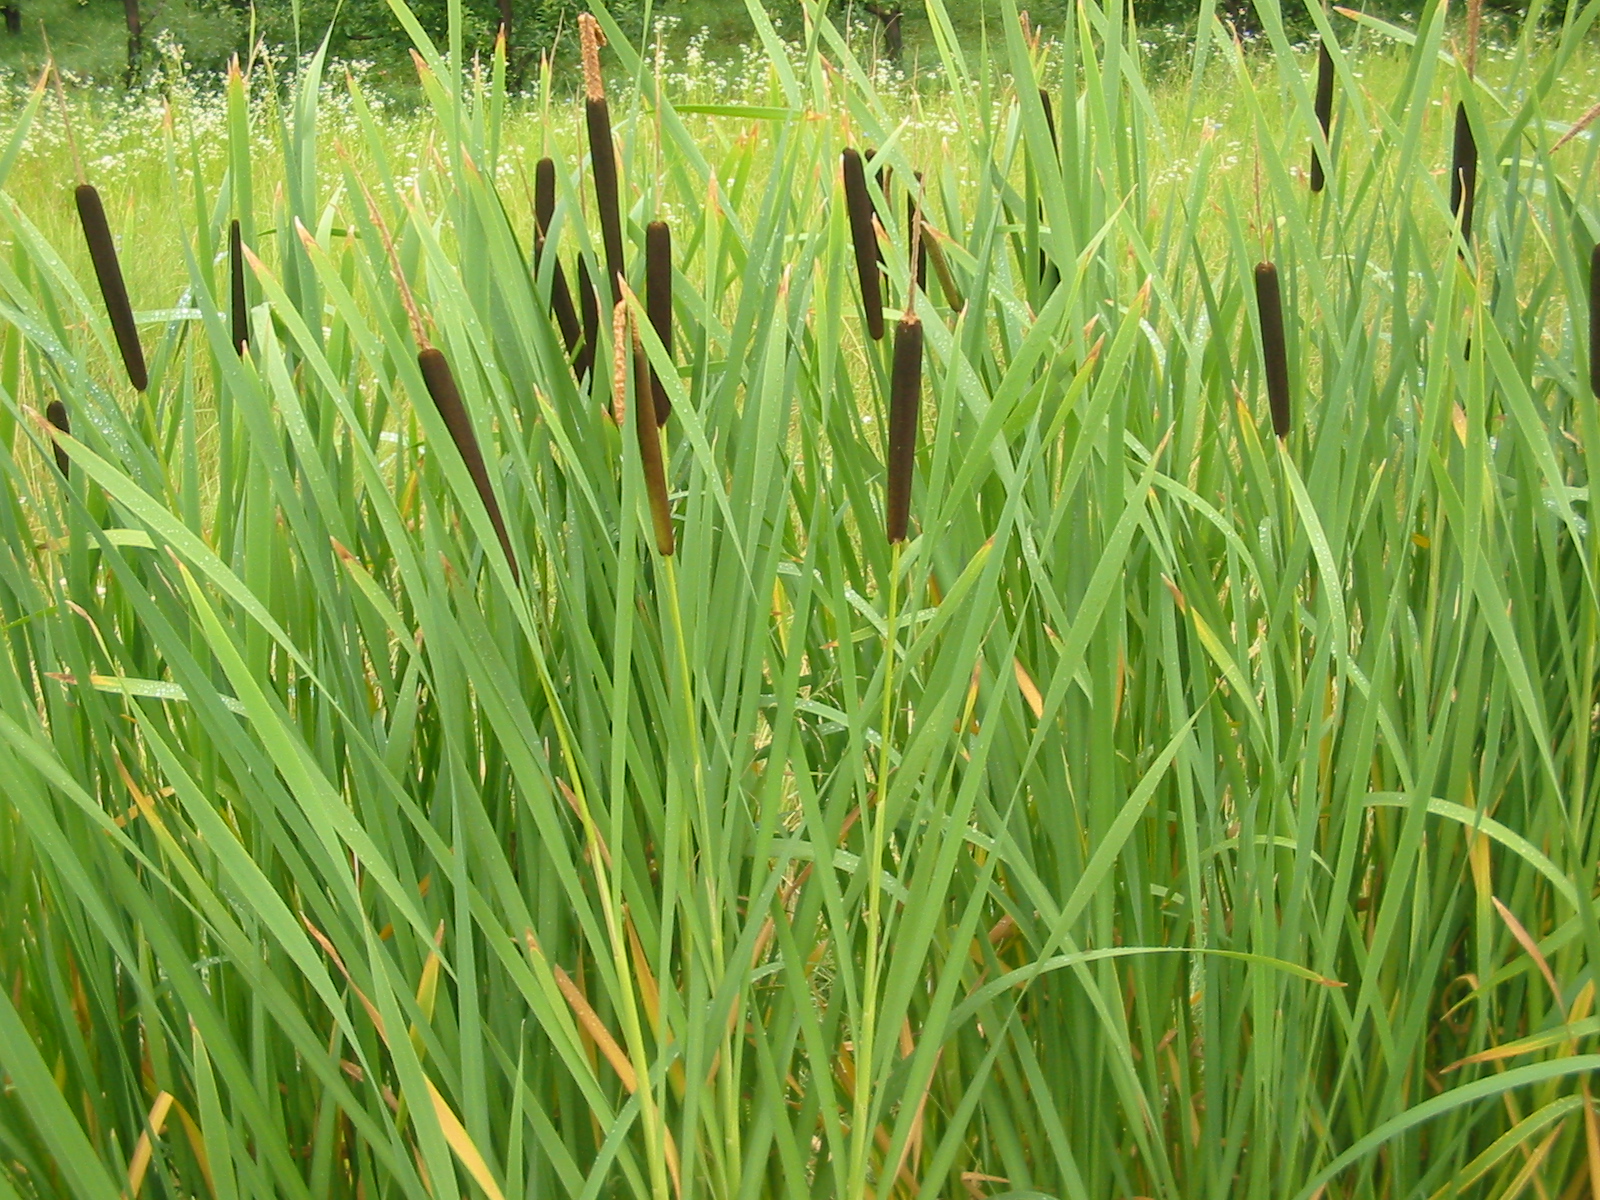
(241,306)
(1269,299)
(446,396)
(1463,173)
(56,413)
(658,303)
(1324,110)
(1594,322)
(905,395)
(103,254)
(859,207)
(648,430)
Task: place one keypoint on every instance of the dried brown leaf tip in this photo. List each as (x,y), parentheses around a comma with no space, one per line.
(1324,111)
(240,305)
(1463,173)
(905,402)
(56,413)
(441,385)
(1274,350)
(658,303)
(103,254)
(858,206)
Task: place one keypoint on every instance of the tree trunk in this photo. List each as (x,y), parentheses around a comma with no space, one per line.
(130,9)
(512,73)
(13,14)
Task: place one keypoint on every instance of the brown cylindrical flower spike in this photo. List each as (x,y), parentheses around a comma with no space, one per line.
(1324,109)
(602,151)
(658,302)
(241,306)
(1463,173)
(917,236)
(544,195)
(859,207)
(647,429)
(544,207)
(103,254)
(56,413)
(591,320)
(441,384)
(905,400)
(1269,299)
(1594,322)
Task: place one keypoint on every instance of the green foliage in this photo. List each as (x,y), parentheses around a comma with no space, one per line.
(1179,811)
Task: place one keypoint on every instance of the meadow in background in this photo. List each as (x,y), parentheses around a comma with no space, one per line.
(1179,810)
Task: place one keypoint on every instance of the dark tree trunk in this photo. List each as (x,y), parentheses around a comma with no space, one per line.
(889,17)
(130,9)
(512,72)
(13,14)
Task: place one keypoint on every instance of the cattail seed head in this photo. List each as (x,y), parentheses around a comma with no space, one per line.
(56,413)
(1463,173)
(590,301)
(1269,299)
(858,205)
(103,254)
(544,195)
(441,385)
(917,239)
(658,302)
(905,397)
(1594,322)
(602,151)
(648,432)
(1324,110)
(241,306)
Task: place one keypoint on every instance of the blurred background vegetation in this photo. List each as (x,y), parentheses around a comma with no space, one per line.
(123,42)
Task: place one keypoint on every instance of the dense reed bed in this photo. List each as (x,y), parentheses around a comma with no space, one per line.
(949,747)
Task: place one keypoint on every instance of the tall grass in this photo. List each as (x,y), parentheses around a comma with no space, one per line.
(1178,811)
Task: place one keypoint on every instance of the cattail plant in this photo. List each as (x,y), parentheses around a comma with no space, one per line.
(1048,275)
(916,239)
(103,254)
(658,303)
(602,151)
(859,207)
(1594,321)
(1324,110)
(441,385)
(1464,151)
(590,300)
(1463,173)
(241,306)
(56,413)
(646,425)
(440,382)
(1269,299)
(544,208)
(905,394)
